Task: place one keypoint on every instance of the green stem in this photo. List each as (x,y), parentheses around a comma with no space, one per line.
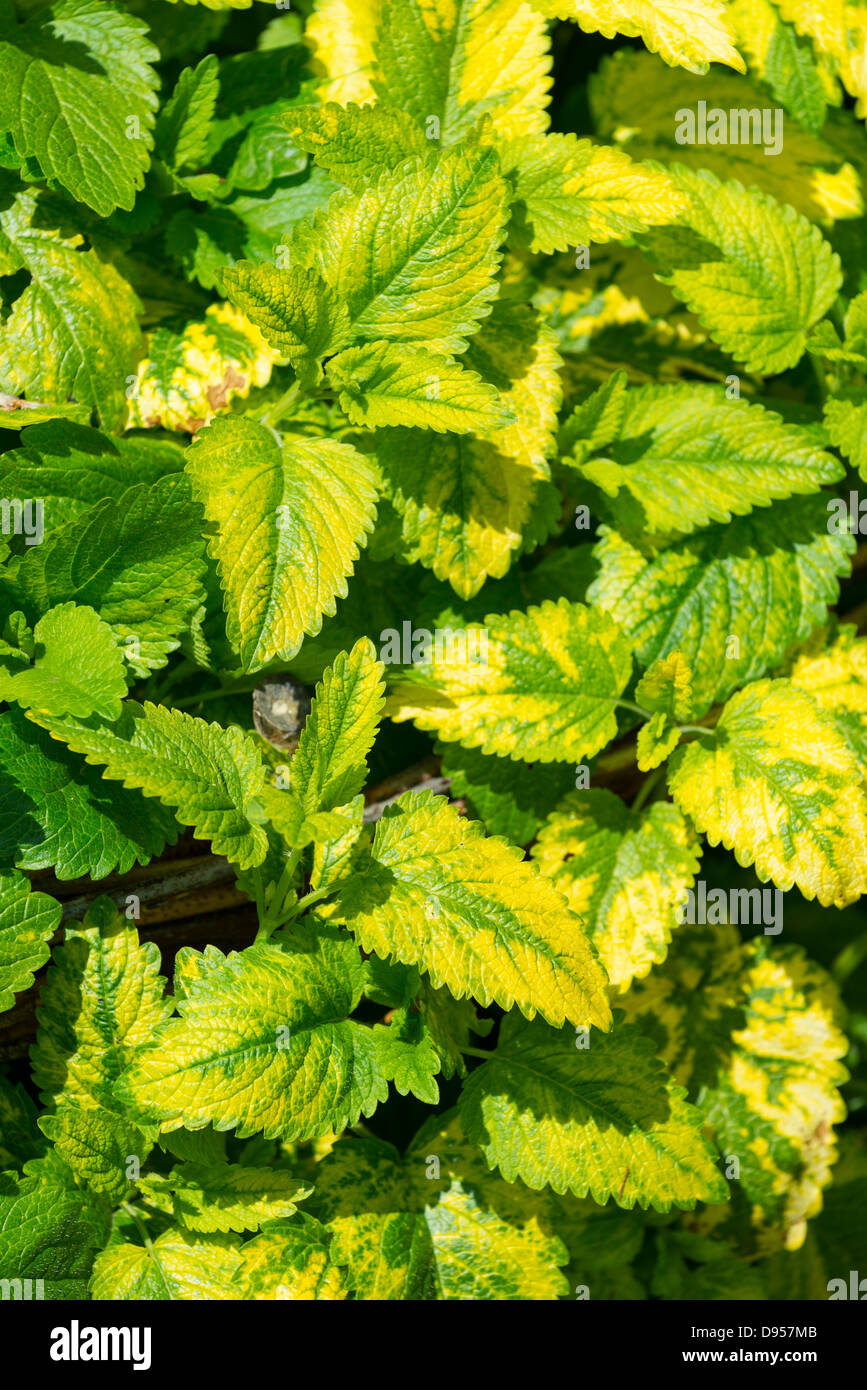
(477,1052)
(275,915)
(696,729)
(222,694)
(821,377)
(649,785)
(280,407)
(140,1226)
(310,898)
(636,709)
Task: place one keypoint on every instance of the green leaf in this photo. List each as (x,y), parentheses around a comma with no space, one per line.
(137,560)
(463,506)
(469,910)
(97,1146)
(56,812)
(48,1232)
(73,330)
(836,677)
(694,33)
(435,1223)
(79,96)
(290,521)
(758,309)
(188,376)
(264,1042)
(846,419)
(16,413)
(27,923)
(290,1261)
(177,1265)
(604,1119)
(516,352)
(208,775)
(78,667)
(777,782)
(453,62)
(407,1056)
(225,1197)
(763,1063)
(573,193)
(102,1001)
(181,135)
(425,278)
(624,877)
(509,798)
(731,600)
(545,693)
(386,384)
(684,456)
(298,313)
(329,766)
(355,143)
(71,467)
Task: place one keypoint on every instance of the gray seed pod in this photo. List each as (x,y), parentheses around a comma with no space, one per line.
(280,709)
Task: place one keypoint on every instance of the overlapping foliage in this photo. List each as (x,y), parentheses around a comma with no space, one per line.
(403,349)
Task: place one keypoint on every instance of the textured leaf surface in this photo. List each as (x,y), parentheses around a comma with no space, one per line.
(414,256)
(71,467)
(384,384)
(572,192)
(759,308)
(137,560)
(290,1262)
(624,878)
(778,783)
(457,62)
(48,1232)
(731,600)
(355,143)
(73,331)
(264,1042)
(546,691)
(102,1000)
(836,676)
(751,1028)
(78,667)
(56,812)
(691,33)
(406,1231)
(516,352)
(27,923)
(178,1265)
(227,1197)
(463,505)
(97,1146)
(74,75)
(510,798)
(684,456)
(329,766)
(208,775)
(289,521)
(471,912)
(186,377)
(604,1120)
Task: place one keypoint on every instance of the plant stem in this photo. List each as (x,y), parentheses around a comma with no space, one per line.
(650,783)
(221,694)
(636,709)
(280,407)
(140,1225)
(274,916)
(310,898)
(477,1052)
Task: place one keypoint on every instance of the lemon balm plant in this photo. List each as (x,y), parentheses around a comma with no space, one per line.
(429,358)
